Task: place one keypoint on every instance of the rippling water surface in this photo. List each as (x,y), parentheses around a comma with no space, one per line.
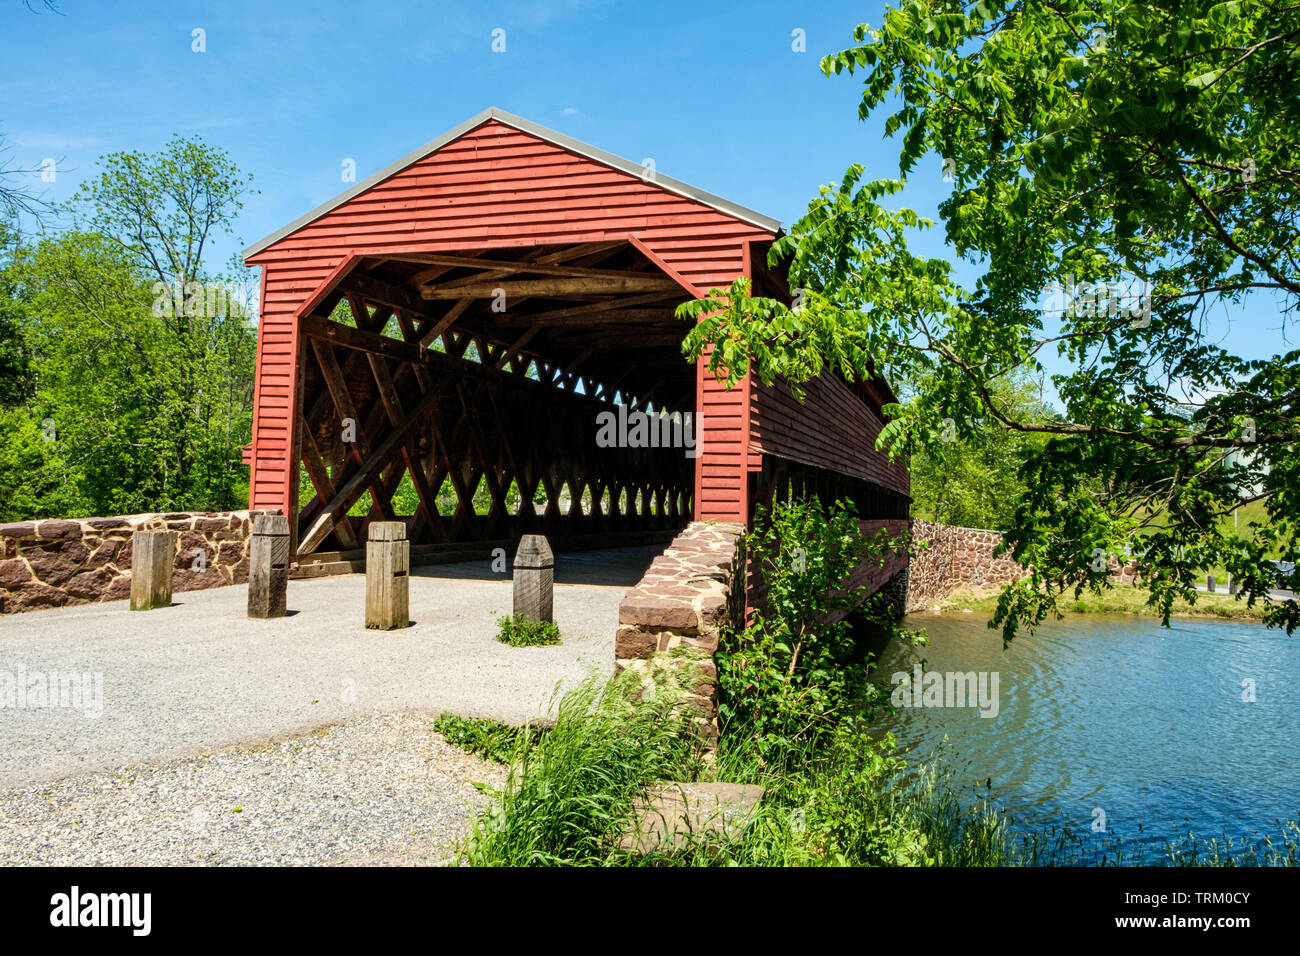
(1118,713)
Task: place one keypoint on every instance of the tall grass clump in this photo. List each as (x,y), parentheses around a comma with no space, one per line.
(570,791)
(849,800)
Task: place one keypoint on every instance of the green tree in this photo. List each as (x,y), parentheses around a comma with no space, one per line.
(1139,161)
(164,209)
(35,479)
(977,481)
(140,358)
(15,380)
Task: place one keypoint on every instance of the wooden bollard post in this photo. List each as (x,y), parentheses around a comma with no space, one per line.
(388,563)
(1209,583)
(1232,585)
(152,555)
(268,566)
(534,578)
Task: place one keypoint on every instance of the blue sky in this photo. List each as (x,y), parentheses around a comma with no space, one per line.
(292,89)
(713,92)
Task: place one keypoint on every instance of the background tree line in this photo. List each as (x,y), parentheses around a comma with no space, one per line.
(126,360)
(976,479)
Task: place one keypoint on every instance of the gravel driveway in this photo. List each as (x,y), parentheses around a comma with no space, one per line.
(214,739)
(383,789)
(200,675)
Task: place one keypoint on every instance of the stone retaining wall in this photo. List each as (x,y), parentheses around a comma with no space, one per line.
(955,558)
(963,558)
(670,622)
(55,562)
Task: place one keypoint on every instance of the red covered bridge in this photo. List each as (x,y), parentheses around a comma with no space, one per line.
(458,321)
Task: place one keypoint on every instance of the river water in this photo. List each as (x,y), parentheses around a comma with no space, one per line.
(1116,715)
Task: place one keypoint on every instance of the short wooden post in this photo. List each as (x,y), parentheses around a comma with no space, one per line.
(268,566)
(152,555)
(534,578)
(1232,585)
(388,563)
(1209,583)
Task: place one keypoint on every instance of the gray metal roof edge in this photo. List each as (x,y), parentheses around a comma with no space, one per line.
(527,126)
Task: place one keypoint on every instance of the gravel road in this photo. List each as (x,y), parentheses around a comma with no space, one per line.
(381,789)
(200,675)
(215,740)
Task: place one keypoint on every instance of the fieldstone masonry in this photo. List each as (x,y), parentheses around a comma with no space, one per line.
(957,558)
(55,562)
(669,624)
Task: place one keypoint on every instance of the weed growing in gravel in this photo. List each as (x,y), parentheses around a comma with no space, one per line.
(521,632)
(490,739)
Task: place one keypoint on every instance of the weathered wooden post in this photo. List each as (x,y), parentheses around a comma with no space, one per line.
(268,566)
(534,578)
(1232,585)
(153,552)
(388,563)
(1209,583)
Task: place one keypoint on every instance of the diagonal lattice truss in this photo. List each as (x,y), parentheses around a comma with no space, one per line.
(483,373)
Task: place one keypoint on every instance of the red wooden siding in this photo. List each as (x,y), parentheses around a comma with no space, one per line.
(721,470)
(494,186)
(833,429)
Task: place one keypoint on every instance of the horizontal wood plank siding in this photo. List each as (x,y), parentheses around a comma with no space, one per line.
(722,469)
(833,429)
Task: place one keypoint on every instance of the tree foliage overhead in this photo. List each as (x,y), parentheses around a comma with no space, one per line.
(1141,160)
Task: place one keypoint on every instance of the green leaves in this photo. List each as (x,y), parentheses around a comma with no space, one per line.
(1205,79)
(163,208)
(150,403)
(1117,149)
(794,671)
(522,632)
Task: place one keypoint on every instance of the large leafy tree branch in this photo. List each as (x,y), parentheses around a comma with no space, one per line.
(1138,165)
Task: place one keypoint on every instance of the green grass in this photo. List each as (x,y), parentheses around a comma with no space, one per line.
(851,801)
(1121,599)
(485,738)
(521,632)
(570,791)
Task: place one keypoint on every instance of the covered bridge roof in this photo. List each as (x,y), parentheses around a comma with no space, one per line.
(766,223)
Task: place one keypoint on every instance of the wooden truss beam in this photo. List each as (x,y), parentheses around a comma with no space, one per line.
(346,496)
(605,305)
(335,333)
(552,287)
(523,265)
